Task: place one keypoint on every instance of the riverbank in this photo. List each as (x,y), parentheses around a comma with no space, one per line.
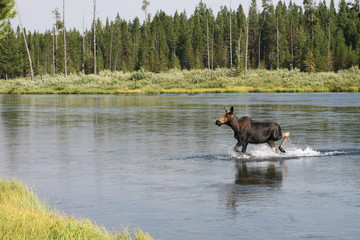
(24,216)
(187,82)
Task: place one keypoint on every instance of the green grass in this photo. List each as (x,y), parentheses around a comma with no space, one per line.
(24,216)
(194,81)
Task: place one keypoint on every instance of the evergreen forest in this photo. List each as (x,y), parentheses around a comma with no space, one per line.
(311,38)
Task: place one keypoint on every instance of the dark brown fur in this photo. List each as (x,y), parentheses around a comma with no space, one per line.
(248,131)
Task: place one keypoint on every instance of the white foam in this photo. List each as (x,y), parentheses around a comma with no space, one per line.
(263,151)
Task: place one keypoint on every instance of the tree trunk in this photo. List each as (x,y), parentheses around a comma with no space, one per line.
(207,42)
(26,45)
(95,37)
(246,45)
(212,52)
(134,52)
(111,46)
(259,50)
(291,44)
(277,41)
(83,48)
(65,59)
(116,60)
(53,55)
(230,44)
(239,50)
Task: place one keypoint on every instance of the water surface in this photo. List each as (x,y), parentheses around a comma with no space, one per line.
(161,164)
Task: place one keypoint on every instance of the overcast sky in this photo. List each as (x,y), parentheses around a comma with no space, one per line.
(37,14)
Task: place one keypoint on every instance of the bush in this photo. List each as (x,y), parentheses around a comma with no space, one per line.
(260,80)
(140,75)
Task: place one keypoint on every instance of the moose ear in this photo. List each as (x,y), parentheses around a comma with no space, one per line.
(231,111)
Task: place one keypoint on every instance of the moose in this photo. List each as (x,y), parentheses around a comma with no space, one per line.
(248,131)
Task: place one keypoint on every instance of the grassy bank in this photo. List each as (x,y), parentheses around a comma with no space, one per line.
(24,216)
(194,81)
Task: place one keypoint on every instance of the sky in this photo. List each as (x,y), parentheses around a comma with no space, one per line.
(37,14)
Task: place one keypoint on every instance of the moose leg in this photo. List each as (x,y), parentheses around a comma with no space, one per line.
(237,146)
(243,150)
(272,145)
(285,136)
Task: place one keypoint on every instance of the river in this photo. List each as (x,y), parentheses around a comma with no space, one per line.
(161,164)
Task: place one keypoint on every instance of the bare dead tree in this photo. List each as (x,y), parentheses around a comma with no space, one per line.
(26,45)
(111,45)
(212,51)
(94,37)
(238,50)
(65,59)
(207,41)
(230,44)
(246,46)
(57,25)
(328,52)
(146,3)
(83,47)
(291,43)
(259,60)
(53,53)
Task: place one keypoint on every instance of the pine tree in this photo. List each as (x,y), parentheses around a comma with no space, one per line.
(10,58)
(117,42)
(126,62)
(143,57)
(198,39)
(107,43)
(341,51)
(320,49)
(309,63)
(173,34)
(318,39)
(268,26)
(309,14)
(284,52)
(254,33)
(185,46)
(6,12)
(239,38)
(75,55)
(136,38)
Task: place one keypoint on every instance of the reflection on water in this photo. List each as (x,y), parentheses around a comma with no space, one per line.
(252,174)
(160,163)
(253,180)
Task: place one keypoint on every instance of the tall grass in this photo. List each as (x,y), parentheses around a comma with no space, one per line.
(193,81)
(24,216)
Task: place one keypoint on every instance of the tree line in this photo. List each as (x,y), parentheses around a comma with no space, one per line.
(312,38)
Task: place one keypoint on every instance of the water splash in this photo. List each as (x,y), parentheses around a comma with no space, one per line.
(264,152)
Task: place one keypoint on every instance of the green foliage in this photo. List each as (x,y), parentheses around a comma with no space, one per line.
(11,62)
(312,38)
(309,63)
(6,12)
(140,75)
(185,81)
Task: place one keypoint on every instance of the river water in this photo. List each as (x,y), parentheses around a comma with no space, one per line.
(161,164)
